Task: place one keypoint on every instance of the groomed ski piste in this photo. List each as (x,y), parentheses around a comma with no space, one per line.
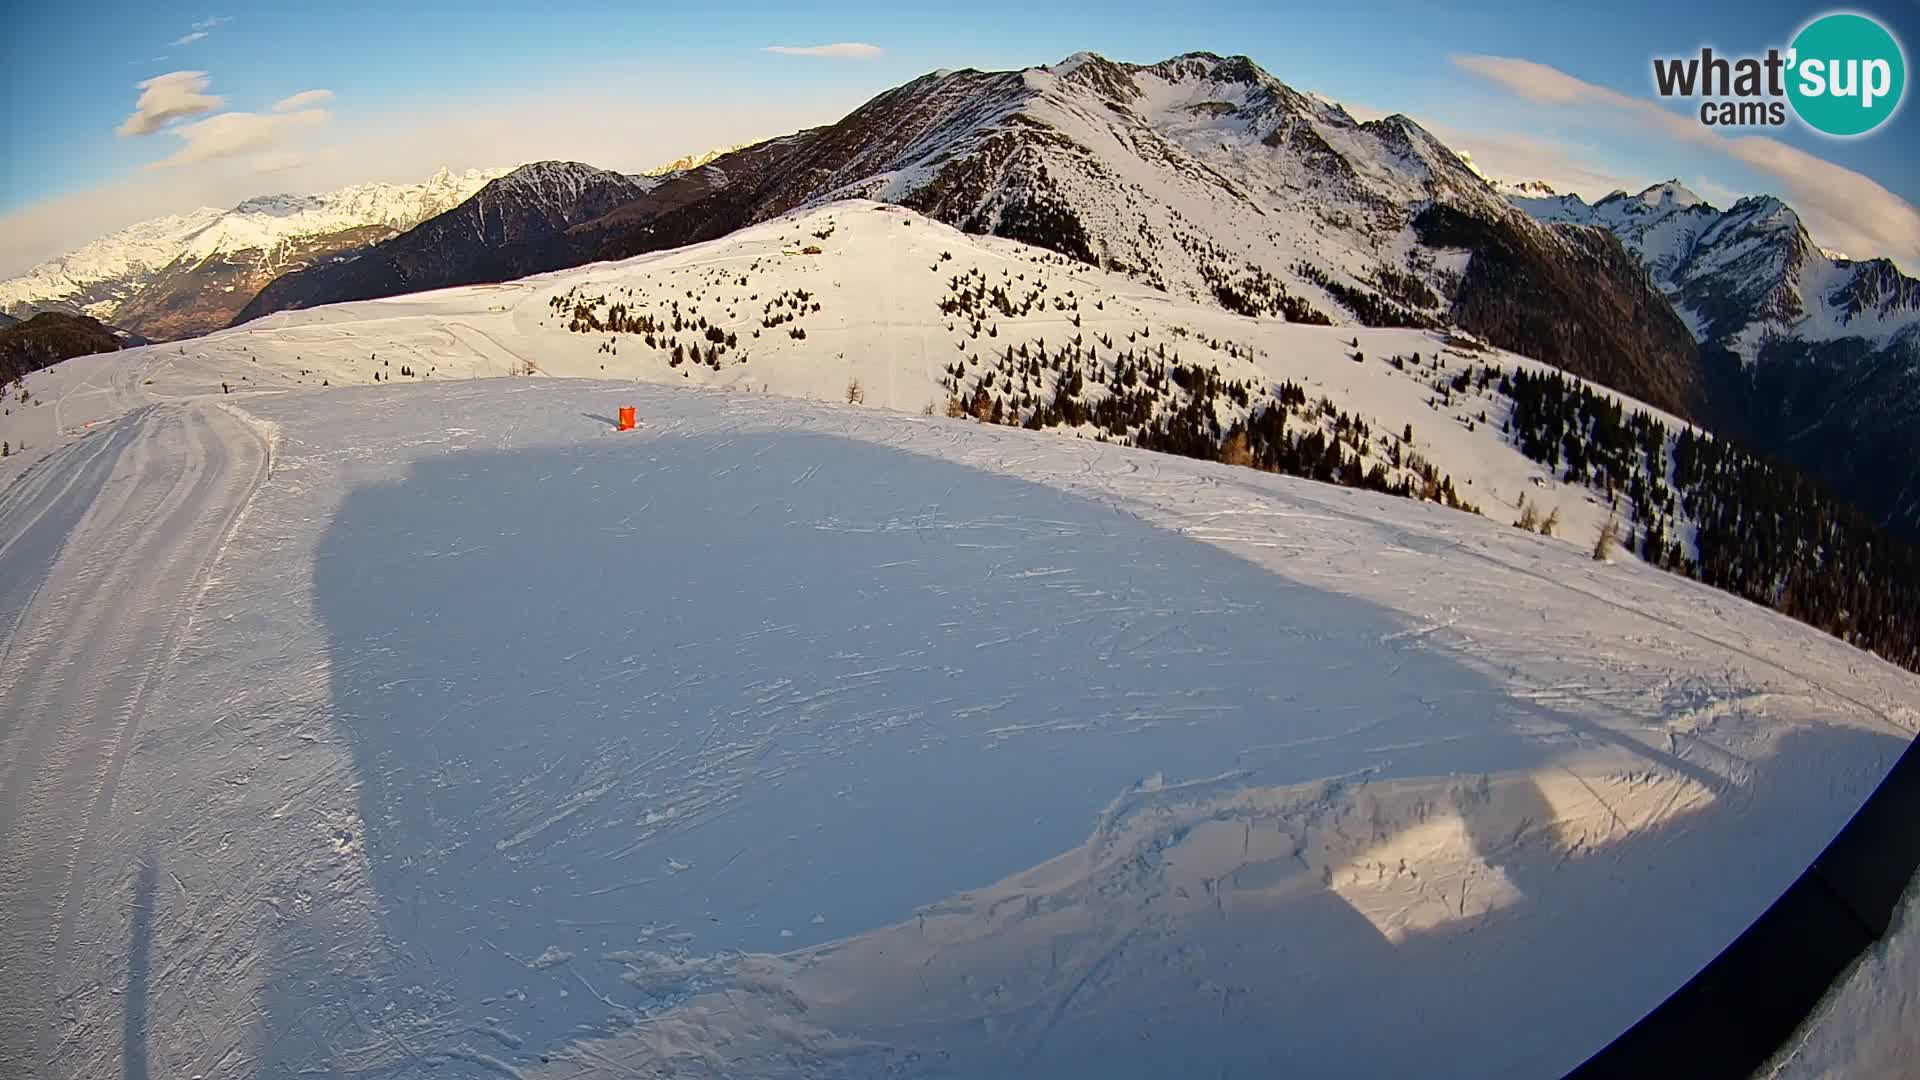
(437,728)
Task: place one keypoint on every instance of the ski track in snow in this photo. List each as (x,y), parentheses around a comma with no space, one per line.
(102,576)
(440,730)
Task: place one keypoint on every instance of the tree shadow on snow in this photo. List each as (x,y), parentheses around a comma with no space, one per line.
(703,696)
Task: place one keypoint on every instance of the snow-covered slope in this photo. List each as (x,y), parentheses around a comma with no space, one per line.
(261,238)
(457,731)
(1207,178)
(1191,173)
(880,303)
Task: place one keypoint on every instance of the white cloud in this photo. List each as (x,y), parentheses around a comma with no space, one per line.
(1842,208)
(844,50)
(200,30)
(280,161)
(302,100)
(234,133)
(168,97)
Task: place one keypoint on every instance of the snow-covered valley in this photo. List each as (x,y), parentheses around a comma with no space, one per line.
(438,728)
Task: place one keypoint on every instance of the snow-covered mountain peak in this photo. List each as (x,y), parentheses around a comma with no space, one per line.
(1672,193)
(106,277)
(1072,63)
(1526,189)
(280,205)
(556,184)
(1768,211)
(690,161)
(1654,203)
(1747,274)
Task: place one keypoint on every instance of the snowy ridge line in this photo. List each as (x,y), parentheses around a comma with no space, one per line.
(1743,1007)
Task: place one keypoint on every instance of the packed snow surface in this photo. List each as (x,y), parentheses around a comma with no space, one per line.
(439,729)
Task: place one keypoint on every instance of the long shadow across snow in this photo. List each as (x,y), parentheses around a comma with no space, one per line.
(765,691)
(136,1006)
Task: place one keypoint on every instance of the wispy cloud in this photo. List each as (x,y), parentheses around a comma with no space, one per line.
(235,133)
(178,95)
(280,161)
(200,30)
(168,97)
(303,99)
(1842,208)
(846,50)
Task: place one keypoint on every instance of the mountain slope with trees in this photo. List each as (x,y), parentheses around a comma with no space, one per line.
(48,338)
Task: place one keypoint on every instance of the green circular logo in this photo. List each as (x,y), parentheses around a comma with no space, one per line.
(1847,76)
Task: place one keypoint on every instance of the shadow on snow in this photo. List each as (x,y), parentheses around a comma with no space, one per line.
(758,693)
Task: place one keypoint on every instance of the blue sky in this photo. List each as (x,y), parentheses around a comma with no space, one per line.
(412,86)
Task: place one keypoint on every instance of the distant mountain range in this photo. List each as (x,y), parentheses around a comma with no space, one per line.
(514,226)
(190,273)
(1745,276)
(1805,354)
(691,161)
(1203,176)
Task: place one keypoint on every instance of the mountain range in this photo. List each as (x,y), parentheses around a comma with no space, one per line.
(1200,176)
(186,274)
(1805,354)
(1204,177)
